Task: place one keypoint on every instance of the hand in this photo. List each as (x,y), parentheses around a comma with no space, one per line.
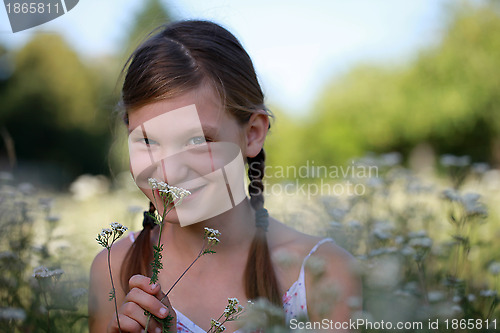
(143,297)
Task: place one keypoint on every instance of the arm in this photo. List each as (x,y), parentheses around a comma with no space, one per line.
(334,285)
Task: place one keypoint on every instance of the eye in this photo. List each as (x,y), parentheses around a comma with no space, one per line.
(197,140)
(147,141)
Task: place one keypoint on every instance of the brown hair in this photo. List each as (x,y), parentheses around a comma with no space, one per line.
(179,58)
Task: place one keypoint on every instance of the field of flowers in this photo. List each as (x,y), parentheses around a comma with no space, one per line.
(426,246)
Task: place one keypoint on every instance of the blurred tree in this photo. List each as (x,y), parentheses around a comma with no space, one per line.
(49,109)
(152,15)
(448,97)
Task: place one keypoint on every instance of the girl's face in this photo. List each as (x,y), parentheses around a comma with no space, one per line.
(192,143)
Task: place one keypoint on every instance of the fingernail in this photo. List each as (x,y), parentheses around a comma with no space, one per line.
(158,330)
(163,311)
(153,286)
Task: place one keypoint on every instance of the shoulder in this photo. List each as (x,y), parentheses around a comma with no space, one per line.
(331,273)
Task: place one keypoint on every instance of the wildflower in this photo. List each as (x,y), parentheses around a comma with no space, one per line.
(355,224)
(12,314)
(421,242)
(390,159)
(217,326)
(494,268)
(472,206)
(435,296)
(108,236)
(451,195)
(232,309)
(53,218)
(448,160)
(488,293)
(153,183)
(408,251)
(416,234)
(212,232)
(456,309)
(170,194)
(480,168)
(42,272)
(118,228)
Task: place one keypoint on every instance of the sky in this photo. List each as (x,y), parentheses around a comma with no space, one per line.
(297,46)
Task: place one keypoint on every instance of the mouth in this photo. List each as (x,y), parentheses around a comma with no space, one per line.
(194,192)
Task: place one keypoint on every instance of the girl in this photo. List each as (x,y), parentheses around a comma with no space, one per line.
(194,109)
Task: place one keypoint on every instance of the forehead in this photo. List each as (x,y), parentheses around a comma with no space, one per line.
(201,104)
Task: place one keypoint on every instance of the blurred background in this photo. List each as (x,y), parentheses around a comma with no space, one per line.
(344,79)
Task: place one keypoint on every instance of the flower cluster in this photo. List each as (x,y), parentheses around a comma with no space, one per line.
(42,272)
(212,236)
(233,309)
(170,194)
(108,236)
(216,326)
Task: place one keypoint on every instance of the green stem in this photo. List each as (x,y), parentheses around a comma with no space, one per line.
(113,286)
(47,305)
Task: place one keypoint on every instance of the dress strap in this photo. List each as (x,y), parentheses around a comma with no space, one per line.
(131,236)
(324,240)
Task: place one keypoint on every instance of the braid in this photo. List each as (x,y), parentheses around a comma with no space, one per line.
(260,278)
(256,167)
(140,254)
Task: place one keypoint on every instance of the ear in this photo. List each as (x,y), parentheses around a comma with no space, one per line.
(256,132)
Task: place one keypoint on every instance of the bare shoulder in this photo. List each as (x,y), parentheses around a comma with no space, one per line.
(331,273)
(289,240)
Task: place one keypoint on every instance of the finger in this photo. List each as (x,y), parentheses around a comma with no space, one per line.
(127,324)
(136,320)
(173,315)
(147,302)
(144,283)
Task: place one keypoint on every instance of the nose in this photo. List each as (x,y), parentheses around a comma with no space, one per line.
(172,169)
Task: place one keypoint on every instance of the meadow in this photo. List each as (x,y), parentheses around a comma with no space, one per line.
(425,244)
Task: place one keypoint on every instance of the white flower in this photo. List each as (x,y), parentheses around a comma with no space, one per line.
(435,296)
(421,242)
(217,326)
(455,161)
(42,272)
(494,268)
(118,228)
(106,232)
(451,195)
(153,183)
(209,232)
(12,314)
(488,293)
(213,240)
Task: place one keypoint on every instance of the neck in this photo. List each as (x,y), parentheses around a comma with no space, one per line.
(237,227)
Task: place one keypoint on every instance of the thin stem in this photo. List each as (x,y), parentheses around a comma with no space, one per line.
(210,330)
(47,305)
(113,286)
(421,275)
(185,271)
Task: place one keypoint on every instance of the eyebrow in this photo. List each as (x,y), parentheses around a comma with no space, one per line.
(207,129)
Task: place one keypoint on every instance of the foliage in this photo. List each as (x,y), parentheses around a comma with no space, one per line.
(35,298)
(448,97)
(152,14)
(51,103)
